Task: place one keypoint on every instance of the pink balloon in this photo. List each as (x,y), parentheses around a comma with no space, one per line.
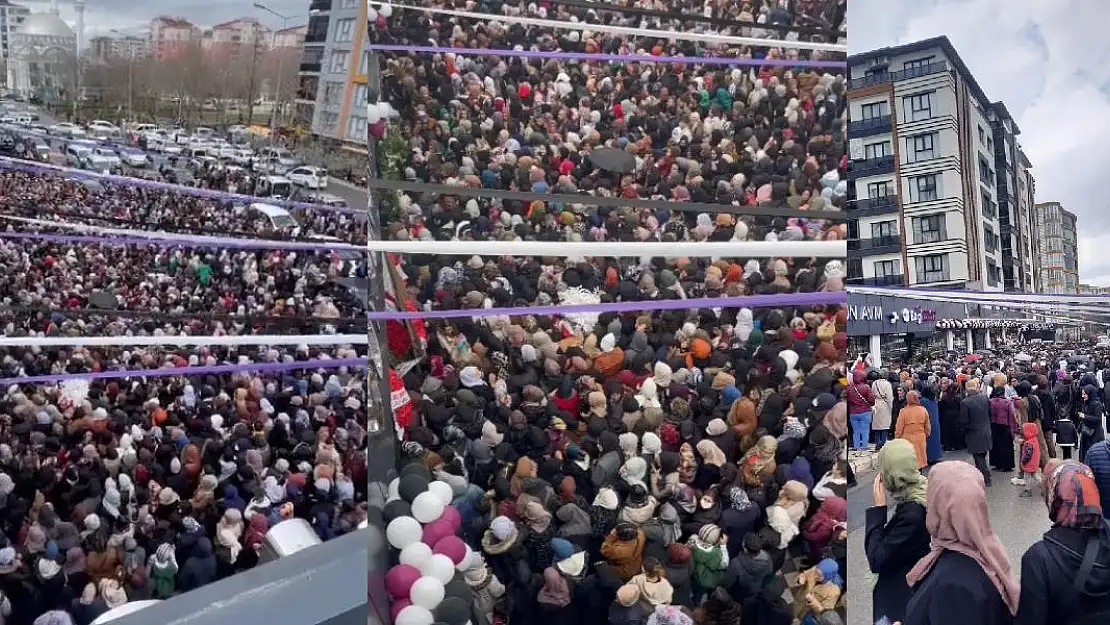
(453,547)
(436,531)
(399,580)
(397,606)
(380,22)
(451,514)
(377,129)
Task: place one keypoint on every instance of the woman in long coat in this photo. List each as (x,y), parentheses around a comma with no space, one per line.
(914,426)
(1003,430)
(951,434)
(882,411)
(934,452)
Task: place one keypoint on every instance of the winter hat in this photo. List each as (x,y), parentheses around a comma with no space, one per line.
(710,534)
(561,548)
(502,527)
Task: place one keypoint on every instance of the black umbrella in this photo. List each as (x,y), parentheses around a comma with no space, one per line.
(613,160)
(104,300)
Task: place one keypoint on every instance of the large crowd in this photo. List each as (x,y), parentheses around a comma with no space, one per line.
(1033,413)
(647,467)
(121,489)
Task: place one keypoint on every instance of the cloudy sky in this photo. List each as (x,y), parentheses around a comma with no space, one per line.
(1040,59)
(101,16)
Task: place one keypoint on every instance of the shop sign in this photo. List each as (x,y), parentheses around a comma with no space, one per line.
(914,315)
(865,313)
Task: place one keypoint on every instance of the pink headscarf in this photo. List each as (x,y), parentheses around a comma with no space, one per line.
(957,519)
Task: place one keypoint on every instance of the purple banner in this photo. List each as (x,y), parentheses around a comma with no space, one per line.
(171,241)
(36,168)
(190,371)
(755,301)
(612,58)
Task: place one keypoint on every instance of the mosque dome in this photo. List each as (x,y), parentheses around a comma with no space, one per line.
(45,25)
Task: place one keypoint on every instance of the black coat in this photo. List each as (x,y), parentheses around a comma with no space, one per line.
(893,547)
(956,592)
(975,417)
(1048,569)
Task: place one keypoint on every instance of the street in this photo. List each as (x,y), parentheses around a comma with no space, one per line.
(1018,521)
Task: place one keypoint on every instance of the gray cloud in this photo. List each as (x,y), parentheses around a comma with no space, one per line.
(1041,60)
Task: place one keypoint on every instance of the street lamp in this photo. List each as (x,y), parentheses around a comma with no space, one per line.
(277,82)
(130,69)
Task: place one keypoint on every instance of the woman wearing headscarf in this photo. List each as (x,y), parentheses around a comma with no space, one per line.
(654,587)
(554,599)
(1090,423)
(934,450)
(758,464)
(914,427)
(787,511)
(894,546)
(829,520)
(624,549)
(1065,576)
(1004,428)
(229,529)
(162,569)
(966,578)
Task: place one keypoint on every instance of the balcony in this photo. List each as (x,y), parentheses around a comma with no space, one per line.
(871,167)
(907,74)
(869,127)
(875,246)
(873,207)
(311,68)
(896,280)
(316,37)
(306,94)
(319,5)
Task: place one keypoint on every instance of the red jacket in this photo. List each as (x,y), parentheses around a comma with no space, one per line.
(860,397)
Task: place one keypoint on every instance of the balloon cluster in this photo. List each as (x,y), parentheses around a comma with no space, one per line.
(378,115)
(378,16)
(426,585)
(985,324)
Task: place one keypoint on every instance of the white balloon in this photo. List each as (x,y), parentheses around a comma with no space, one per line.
(443,491)
(415,554)
(371,14)
(403,531)
(386,110)
(373,114)
(386,10)
(394,488)
(427,592)
(465,563)
(440,567)
(427,507)
(415,615)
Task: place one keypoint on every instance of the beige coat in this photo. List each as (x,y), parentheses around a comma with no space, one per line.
(884,404)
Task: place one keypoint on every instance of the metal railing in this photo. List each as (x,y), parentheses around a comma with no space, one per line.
(868,127)
(873,206)
(906,74)
(871,167)
(894,280)
(876,245)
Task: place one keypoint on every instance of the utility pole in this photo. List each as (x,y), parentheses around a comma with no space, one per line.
(276,111)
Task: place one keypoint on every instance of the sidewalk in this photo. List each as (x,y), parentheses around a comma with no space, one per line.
(863,461)
(344,183)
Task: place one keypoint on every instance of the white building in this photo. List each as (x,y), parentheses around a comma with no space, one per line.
(43,60)
(935,167)
(11,16)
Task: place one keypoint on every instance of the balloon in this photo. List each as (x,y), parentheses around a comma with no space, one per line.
(396,607)
(373,114)
(427,507)
(395,510)
(385,10)
(415,468)
(415,554)
(371,14)
(399,580)
(452,516)
(453,611)
(466,561)
(387,110)
(457,587)
(453,547)
(414,615)
(377,131)
(427,592)
(443,491)
(380,23)
(435,531)
(403,531)
(411,486)
(440,567)
(394,484)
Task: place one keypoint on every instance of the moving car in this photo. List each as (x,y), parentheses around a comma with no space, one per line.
(102,130)
(66,129)
(133,157)
(279,218)
(310,177)
(277,187)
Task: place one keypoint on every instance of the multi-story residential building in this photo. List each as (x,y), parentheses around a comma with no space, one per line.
(1057,249)
(103,48)
(333,72)
(1026,194)
(245,31)
(934,170)
(11,16)
(170,37)
(292,37)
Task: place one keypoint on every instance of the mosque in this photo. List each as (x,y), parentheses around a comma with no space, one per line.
(43,54)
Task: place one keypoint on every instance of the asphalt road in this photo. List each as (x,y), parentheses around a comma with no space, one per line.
(1017,521)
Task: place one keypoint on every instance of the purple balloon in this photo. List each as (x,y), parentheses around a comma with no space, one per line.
(451,514)
(380,22)
(436,531)
(399,580)
(453,547)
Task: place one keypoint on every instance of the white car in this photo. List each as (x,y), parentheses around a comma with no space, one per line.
(66,129)
(243,157)
(102,129)
(133,157)
(227,152)
(309,177)
(107,156)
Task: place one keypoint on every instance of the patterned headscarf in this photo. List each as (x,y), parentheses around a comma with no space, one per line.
(1072,496)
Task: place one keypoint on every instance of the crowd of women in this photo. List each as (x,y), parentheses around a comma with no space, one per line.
(123,487)
(936,557)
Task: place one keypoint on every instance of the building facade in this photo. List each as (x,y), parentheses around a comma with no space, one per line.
(11,16)
(332,93)
(118,47)
(43,60)
(1026,200)
(170,37)
(1057,249)
(934,169)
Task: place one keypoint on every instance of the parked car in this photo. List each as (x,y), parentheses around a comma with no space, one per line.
(309,177)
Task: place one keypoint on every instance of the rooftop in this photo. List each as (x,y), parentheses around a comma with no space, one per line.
(941,42)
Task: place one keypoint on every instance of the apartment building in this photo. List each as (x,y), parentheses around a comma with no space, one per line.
(1057,249)
(292,37)
(170,37)
(11,16)
(103,48)
(1026,194)
(934,169)
(332,92)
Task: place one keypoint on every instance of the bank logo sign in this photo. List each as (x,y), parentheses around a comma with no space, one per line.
(916,316)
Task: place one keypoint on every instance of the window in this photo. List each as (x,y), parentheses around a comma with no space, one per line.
(917,63)
(874,111)
(992,273)
(990,144)
(990,239)
(918,107)
(364,63)
(361,92)
(990,209)
(887,268)
(345,30)
(357,129)
(338,62)
(932,268)
(921,147)
(884,229)
(880,189)
(930,229)
(328,122)
(923,188)
(982,135)
(878,150)
(333,92)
